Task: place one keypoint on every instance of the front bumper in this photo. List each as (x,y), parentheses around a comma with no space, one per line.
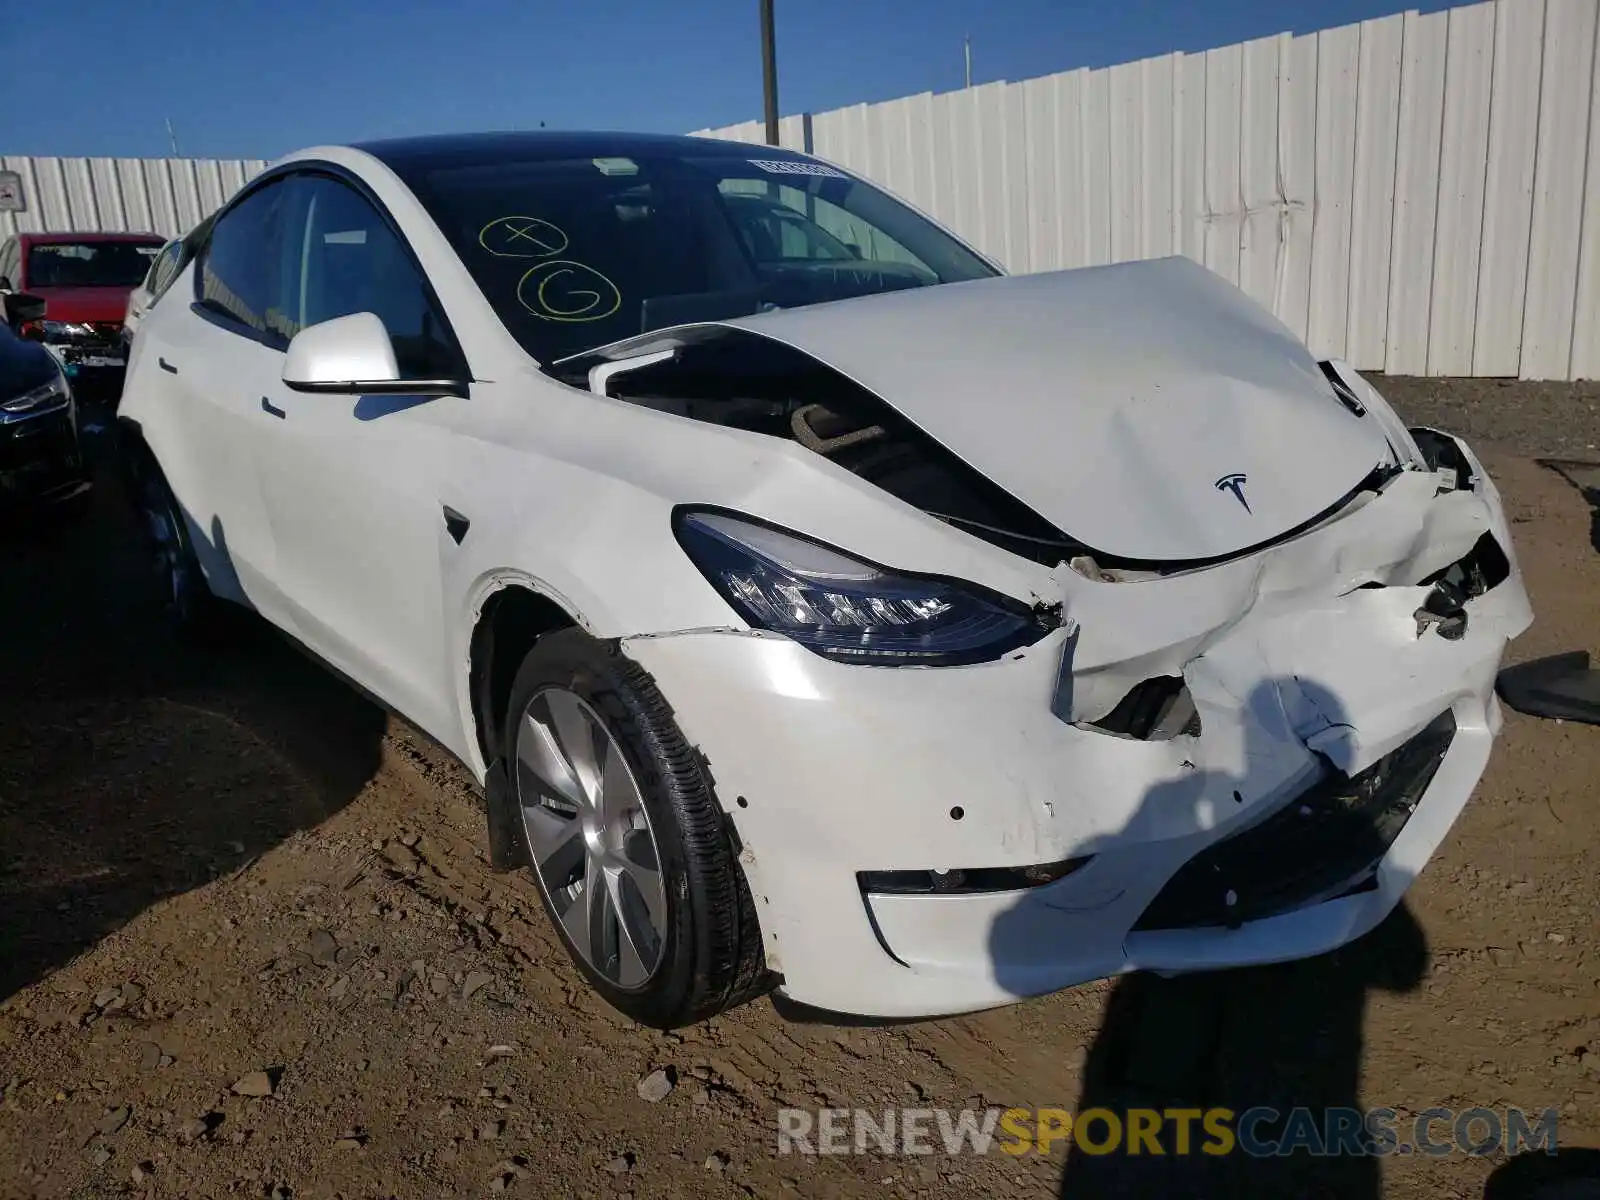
(832,772)
(41,461)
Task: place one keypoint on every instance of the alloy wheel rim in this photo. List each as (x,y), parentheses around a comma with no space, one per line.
(589,837)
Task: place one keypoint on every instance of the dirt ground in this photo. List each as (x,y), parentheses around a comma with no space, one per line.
(1560,420)
(214,866)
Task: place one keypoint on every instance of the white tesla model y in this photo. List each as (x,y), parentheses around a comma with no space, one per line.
(821,609)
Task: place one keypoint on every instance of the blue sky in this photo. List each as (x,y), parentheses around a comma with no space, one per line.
(243,79)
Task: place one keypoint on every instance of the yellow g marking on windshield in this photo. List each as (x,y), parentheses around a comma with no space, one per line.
(560,289)
(522,237)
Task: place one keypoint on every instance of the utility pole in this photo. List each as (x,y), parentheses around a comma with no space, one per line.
(966,50)
(769,72)
(172,137)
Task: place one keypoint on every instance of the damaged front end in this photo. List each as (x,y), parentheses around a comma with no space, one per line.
(1251,681)
(1325,843)
(1314,696)
(1404,546)
(1367,605)
(1198,768)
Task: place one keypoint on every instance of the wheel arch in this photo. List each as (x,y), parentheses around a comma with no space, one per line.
(131,444)
(511,613)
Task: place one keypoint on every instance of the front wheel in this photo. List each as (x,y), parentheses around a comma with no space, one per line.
(626,838)
(192,611)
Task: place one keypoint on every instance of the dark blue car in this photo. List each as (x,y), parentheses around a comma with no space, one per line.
(41,462)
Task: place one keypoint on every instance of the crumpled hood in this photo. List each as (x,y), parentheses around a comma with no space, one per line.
(1149,409)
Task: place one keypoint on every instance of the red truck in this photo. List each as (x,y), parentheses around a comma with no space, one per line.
(84,280)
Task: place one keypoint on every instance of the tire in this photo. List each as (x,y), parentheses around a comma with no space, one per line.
(191,611)
(651,783)
(75,510)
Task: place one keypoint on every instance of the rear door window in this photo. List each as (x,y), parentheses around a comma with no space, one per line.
(238,279)
(165,269)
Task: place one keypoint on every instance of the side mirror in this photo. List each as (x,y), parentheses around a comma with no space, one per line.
(5,283)
(22,307)
(353,355)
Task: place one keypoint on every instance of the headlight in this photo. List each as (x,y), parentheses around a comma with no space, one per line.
(67,329)
(47,395)
(847,609)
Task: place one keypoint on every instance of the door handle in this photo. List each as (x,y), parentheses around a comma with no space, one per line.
(456,524)
(167,367)
(268,407)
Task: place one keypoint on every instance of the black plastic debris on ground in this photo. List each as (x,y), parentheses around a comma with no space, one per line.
(1562,687)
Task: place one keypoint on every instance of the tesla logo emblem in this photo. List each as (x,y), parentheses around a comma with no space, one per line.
(1234,483)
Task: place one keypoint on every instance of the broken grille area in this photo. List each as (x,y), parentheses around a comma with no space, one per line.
(1316,845)
(1155,709)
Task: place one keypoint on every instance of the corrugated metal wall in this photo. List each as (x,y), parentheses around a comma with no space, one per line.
(143,195)
(1417,194)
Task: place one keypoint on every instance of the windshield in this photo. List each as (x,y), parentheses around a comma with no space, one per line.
(90,264)
(576,253)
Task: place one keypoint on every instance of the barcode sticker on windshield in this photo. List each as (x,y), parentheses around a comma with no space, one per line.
(783,166)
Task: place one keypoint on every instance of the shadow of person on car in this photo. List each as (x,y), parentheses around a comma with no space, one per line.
(1285,1036)
(133,767)
(1569,1174)
(1282,1037)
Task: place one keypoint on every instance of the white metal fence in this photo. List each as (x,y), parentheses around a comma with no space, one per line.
(142,195)
(1417,194)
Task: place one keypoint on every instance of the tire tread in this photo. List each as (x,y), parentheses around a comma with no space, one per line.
(730,967)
